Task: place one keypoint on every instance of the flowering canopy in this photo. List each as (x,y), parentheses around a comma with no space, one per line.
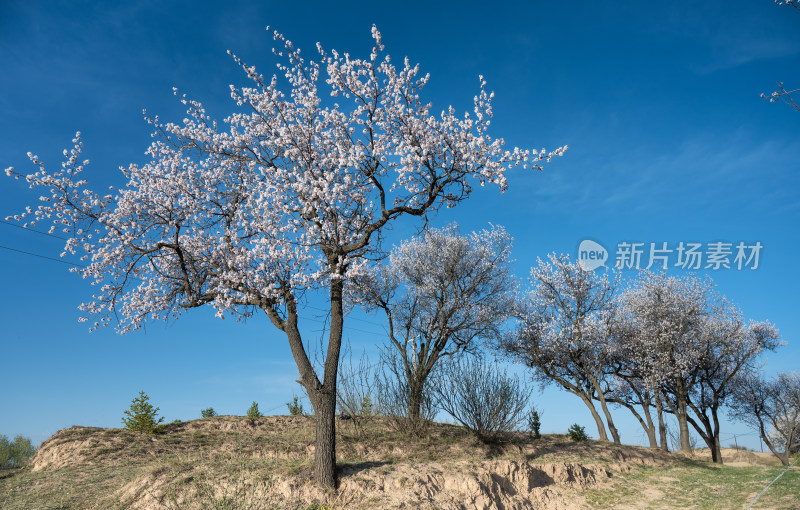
(442,288)
(287,194)
(441,291)
(566,318)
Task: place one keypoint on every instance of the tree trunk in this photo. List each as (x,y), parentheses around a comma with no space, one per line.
(417,373)
(717,445)
(782,456)
(662,426)
(651,437)
(601,428)
(325,446)
(717,452)
(710,442)
(650,428)
(709,433)
(706,436)
(683,425)
(604,406)
(322,394)
(325,453)
(609,420)
(414,403)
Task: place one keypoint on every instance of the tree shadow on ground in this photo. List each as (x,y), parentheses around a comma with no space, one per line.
(353,468)
(8,472)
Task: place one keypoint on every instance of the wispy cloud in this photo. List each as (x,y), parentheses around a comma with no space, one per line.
(728,52)
(727,170)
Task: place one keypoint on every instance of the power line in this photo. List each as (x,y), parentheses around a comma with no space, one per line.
(346,328)
(83,265)
(770,483)
(42,256)
(42,232)
(351,318)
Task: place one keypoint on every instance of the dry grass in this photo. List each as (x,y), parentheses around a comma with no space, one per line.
(232,462)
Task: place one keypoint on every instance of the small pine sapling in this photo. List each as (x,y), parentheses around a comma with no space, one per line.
(577,433)
(141,417)
(253,411)
(295,407)
(367,407)
(534,423)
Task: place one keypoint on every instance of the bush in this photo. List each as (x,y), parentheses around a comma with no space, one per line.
(208,413)
(534,423)
(393,396)
(15,453)
(355,390)
(577,433)
(367,407)
(295,406)
(5,452)
(253,411)
(141,417)
(485,400)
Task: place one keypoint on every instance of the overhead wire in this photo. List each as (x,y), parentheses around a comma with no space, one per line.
(352,318)
(32,254)
(41,256)
(29,229)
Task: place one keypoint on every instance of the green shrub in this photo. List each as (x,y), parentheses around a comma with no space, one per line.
(367,407)
(534,423)
(577,433)
(208,413)
(295,407)
(141,417)
(253,411)
(5,452)
(15,453)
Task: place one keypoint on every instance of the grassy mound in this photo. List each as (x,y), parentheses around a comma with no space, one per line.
(266,463)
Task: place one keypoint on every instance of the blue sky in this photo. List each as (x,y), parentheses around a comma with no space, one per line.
(658,102)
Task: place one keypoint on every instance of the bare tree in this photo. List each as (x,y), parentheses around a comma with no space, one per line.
(484,399)
(564,331)
(771,407)
(395,395)
(440,292)
(356,393)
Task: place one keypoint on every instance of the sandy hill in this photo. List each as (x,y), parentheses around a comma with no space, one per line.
(231,462)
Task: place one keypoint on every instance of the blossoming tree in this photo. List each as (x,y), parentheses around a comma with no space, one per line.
(439,292)
(771,407)
(782,94)
(564,333)
(287,195)
(664,313)
(689,344)
(730,346)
